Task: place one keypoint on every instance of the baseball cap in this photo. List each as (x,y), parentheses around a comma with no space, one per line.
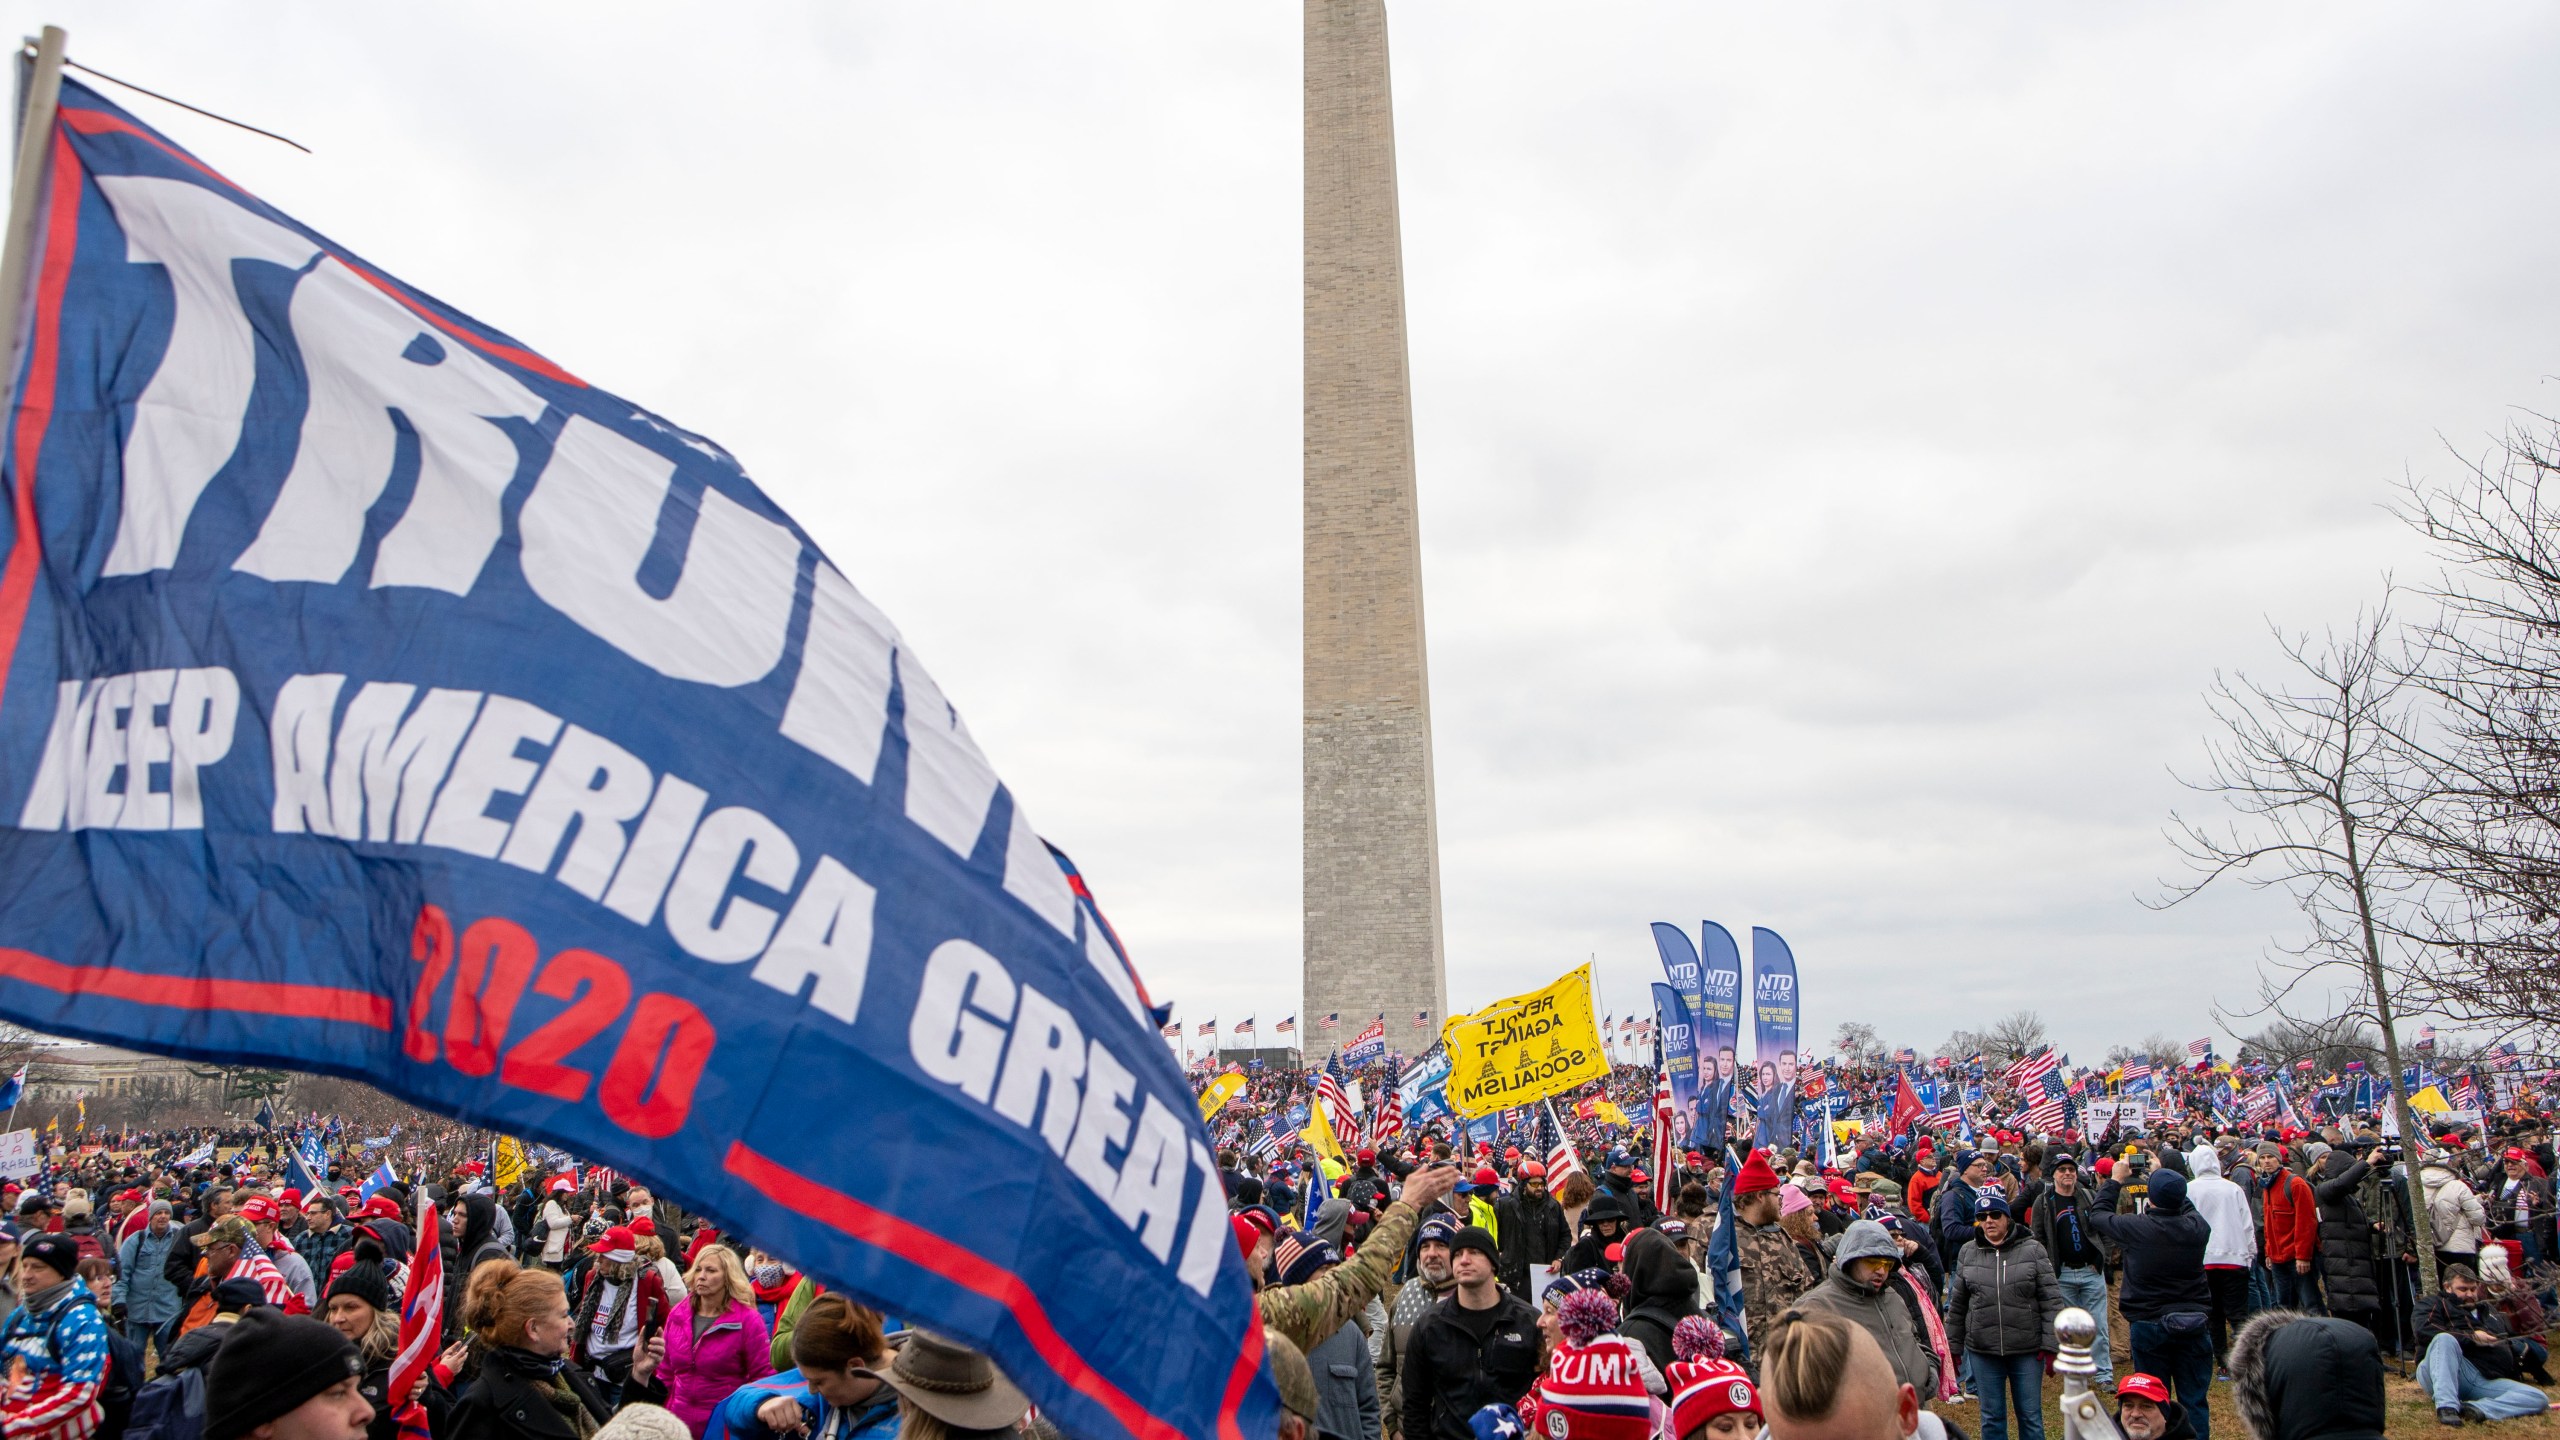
(2146,1386)
(615,1246)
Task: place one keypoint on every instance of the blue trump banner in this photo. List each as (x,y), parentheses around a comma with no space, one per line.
(1773,1031)
(378,698)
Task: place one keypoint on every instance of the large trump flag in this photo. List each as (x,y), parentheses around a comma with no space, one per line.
(379,698)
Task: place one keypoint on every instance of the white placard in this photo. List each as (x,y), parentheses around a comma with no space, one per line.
(18,1155)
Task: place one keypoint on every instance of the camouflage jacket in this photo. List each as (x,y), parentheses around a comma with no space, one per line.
(1309,1314)
(1773,1276)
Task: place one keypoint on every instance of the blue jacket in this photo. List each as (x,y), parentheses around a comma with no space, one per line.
(147,1294)
(735,1417)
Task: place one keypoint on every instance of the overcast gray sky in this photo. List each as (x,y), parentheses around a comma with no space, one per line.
(1851,436)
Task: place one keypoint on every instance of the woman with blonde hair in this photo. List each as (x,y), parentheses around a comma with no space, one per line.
(714,1342)
(520,1320)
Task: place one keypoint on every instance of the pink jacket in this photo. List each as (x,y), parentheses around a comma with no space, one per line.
(699,1374)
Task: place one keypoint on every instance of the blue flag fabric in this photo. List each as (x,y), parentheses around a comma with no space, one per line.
(266,1115)
(15,1090)
(379,698)
(306,1165)
(382,1175)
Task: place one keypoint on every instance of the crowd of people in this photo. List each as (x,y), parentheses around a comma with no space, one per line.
(169,1294)
(1509,1291)
(1432,1285)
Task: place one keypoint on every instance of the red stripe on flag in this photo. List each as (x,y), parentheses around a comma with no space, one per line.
(35,402)
(921,1247)
(95,122)
(196,992)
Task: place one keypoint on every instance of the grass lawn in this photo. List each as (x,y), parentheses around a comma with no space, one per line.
(2410,1413)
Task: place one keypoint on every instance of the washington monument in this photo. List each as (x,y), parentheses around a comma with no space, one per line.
(1372,901)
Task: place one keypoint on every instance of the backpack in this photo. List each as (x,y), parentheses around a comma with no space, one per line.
(122,1385)
(169,1408)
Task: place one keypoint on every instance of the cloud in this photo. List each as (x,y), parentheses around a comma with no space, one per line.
(1849,440)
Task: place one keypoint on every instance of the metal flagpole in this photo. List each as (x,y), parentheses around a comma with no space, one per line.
(26,190)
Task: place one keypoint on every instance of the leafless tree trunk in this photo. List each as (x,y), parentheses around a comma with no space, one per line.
(2329,801)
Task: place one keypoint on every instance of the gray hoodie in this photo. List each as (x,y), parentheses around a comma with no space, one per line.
(1879,1310)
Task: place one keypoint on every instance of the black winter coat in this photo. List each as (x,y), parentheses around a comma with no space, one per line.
(2163,1257)
(1665,1293)
(1532,1234)
(2346,1235)
(1449,1374)
(2006,1298)
(511,1401)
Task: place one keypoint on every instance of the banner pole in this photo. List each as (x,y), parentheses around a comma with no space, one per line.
(26,188)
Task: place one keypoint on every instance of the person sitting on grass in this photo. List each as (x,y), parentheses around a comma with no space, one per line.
(2471,1365)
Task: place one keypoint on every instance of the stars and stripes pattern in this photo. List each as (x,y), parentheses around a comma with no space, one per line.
(2137,1074)
(1330,1022)
(2029,1071)
(1286,1027)
(1208,1027)
(1561,1158)
(1337,1102)
(1243,1026)
(57,1364)
(1388,1120)
(253,1264)
(1662,1142)
(421,1328)
(1421,1019)
(2198,1049)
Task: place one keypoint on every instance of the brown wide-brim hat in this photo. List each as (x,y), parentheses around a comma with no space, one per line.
(957,1386)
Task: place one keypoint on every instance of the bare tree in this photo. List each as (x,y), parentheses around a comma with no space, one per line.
(2491,663)
(2329,801)
(2017,1033)
(1857,1040)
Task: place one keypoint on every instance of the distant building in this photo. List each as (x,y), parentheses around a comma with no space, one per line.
(64,1073)
(1286,1055)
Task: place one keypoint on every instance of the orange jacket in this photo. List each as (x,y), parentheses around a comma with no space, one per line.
(2293,1220)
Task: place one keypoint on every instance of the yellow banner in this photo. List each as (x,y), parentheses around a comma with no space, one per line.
(1517,1050)
(2429,1101)
(1221,1090)
(1319,1136)
(506,1169)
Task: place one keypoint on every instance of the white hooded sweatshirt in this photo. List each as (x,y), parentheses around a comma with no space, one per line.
(2225,1207)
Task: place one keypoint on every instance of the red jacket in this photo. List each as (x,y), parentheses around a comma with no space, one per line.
(2293,1220)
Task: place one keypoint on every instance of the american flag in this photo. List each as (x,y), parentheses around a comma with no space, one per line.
(1173,1030)
(1265,1139)
(2466,1094)
(2507,1057)
(2426,1037)
(1208,1027)
(2051,1111)
(1286,1027)
(1662,1142)
(2198,1049)
(1387,1121)
(1421,1019)
(1337,1102)
(1561,1159)
(1947,1119)
(1330,1022)
(2136,1072)
(2259,1104)
(421,1327)
(1243,1026)
(2029,1071)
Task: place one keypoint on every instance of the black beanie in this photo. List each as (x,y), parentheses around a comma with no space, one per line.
(365,1281)
(268,1366)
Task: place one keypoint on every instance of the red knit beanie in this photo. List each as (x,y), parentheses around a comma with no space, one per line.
(1755,1175)
(1701,1390)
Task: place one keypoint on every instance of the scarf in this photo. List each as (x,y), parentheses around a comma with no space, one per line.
(546,1366)
(1948,1385)
(42,1300)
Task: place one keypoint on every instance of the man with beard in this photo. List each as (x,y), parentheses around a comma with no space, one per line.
(1433,1281)
(1534,1234)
